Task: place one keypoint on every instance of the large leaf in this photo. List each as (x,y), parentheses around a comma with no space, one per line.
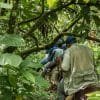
(12,80)
(26,64)
(10,59)
(5,5)
(29,76)
(12,40)
(41,82)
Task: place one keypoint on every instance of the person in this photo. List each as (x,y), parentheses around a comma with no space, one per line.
(49,52)
(48,56)
(51,70)
(78,68)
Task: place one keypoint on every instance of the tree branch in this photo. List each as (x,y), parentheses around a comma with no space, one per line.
(46,13)
(13,17)
(35,18)
(25,53)
(58,9)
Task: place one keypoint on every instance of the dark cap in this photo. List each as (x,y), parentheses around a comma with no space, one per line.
(70,40)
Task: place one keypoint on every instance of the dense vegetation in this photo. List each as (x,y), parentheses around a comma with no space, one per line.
(28,27)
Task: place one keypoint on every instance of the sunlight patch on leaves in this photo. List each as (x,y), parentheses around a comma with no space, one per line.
(94,95)
(86,1)
(51,3)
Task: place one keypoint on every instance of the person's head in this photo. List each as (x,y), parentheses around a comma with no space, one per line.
(70,40)
(59,43)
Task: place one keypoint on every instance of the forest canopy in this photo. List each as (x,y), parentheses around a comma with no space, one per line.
(28,27)
(48,20)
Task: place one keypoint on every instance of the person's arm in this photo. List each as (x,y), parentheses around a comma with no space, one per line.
(48,68)
(44,60)
(66,61)
(51,65)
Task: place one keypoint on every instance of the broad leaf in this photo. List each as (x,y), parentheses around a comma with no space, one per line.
(41,82)
(3,17)
(12,40)
(12,80)
(5,5)
(27,64)
(10,59)
(29,76)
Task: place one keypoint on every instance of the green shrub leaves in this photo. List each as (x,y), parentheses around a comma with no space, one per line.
(10,59)
(12,40)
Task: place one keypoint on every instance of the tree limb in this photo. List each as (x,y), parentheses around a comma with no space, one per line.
(46,13)
(13,17)
(25,53)
(35,18)
(58,9)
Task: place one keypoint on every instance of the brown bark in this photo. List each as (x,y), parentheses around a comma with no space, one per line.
(13,17)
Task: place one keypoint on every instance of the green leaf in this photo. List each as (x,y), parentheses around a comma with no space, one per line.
(3,17)
(27,64)
(28,76)
(96,19)
(52,3)
(93,1)
(12,80)
(6,5)
(94,95)
(41,82)
(86,1)
(12,40)
(19,97)
(10,59)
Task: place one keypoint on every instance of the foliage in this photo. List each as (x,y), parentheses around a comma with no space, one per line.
(12,40)
(52,3)
(28,26)
(94,96)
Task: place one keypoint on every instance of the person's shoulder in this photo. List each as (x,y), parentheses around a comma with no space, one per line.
(67,50)
(77,46)
(58,49)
